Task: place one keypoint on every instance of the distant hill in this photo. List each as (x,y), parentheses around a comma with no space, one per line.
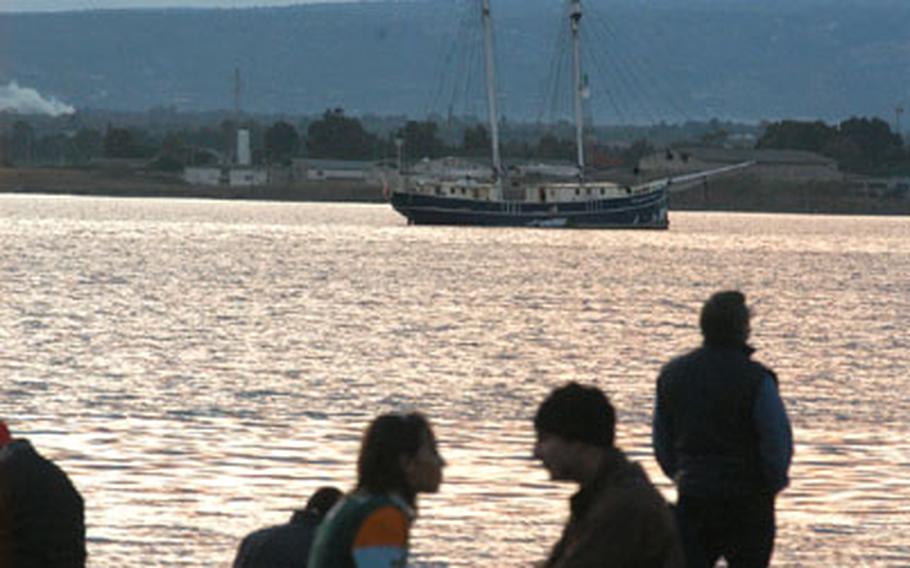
(649,61)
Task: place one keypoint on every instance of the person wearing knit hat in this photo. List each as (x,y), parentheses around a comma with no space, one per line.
(617,517)
(42,514)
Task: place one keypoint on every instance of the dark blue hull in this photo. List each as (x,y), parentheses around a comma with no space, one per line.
(645,211)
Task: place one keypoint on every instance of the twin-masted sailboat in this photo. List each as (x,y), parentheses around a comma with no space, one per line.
(496,200)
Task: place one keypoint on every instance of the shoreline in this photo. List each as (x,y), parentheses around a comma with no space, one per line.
(744,193)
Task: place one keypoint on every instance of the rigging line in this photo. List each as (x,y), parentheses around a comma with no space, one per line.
(630,80)
(546,80)
(550,78)
(473,68)
(630,89)
(602,71)
(473,65)
(667,103)
(497,62)
(659,87)
(557,88)
(619,108)
(462,67)
(462,85)
(587,103)
(448,62)
(562,99)
(548,85)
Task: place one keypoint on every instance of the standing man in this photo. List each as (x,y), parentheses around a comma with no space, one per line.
(722,434)
(42,519)
(618,518)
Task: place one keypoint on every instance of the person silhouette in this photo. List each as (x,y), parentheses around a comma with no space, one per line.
(287,545)
(618,518)
(42,514)
(370,527)
(722,434)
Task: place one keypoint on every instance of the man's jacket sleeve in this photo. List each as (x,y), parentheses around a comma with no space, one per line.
(662,440)
(775,438)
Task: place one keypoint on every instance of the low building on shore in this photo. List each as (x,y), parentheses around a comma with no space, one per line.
(234,176)
(885,187)
(770,165)
(199,175)
(247,177)
(323,170)
(119,165)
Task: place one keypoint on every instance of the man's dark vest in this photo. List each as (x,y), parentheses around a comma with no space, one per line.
(707,398)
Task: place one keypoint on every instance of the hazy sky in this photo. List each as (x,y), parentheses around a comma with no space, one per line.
(61,5)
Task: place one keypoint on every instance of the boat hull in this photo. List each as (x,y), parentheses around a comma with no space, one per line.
(643,211)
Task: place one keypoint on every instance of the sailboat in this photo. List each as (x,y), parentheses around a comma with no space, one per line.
(493,200)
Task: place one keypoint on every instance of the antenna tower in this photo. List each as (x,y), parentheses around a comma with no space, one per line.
(238,88)
(898,111)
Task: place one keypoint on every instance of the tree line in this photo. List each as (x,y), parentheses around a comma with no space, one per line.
(860,145)
(334,135)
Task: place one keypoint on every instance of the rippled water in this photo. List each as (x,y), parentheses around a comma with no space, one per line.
(200,367)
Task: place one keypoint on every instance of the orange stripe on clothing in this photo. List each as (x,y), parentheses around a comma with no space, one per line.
(386,526)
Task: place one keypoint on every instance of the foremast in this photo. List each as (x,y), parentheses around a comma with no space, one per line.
(492,108)
(577,86)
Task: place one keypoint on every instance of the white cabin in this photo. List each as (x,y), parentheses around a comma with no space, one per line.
(575,192)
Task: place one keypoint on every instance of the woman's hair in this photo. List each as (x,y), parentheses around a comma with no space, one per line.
(386,440)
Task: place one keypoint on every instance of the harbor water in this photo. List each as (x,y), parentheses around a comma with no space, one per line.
(200,367)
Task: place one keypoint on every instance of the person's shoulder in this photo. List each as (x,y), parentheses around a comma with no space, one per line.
(637,486)
(384,526)
(23,464)
(362,503)
(364,516)
(266,546)
(259,537)
(370,503)
(382,538)
(18,450)
(680,360)
(766,371)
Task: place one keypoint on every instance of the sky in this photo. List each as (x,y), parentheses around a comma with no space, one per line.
(65,5)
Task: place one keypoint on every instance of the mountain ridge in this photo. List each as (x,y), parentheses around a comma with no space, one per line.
(658,60)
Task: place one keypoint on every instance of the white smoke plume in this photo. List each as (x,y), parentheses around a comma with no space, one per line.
(26,100)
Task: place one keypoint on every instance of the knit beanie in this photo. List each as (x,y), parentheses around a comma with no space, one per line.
(578,413)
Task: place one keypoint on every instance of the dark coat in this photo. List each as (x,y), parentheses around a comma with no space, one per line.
(706,400)
(42,516)
(619,520)
(281,546)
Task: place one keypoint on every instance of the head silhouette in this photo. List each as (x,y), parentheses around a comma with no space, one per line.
(323,500)
(578,413)
(724,319)
(389,445)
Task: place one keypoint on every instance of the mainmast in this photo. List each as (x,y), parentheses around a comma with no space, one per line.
(491,87)
(575,19)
